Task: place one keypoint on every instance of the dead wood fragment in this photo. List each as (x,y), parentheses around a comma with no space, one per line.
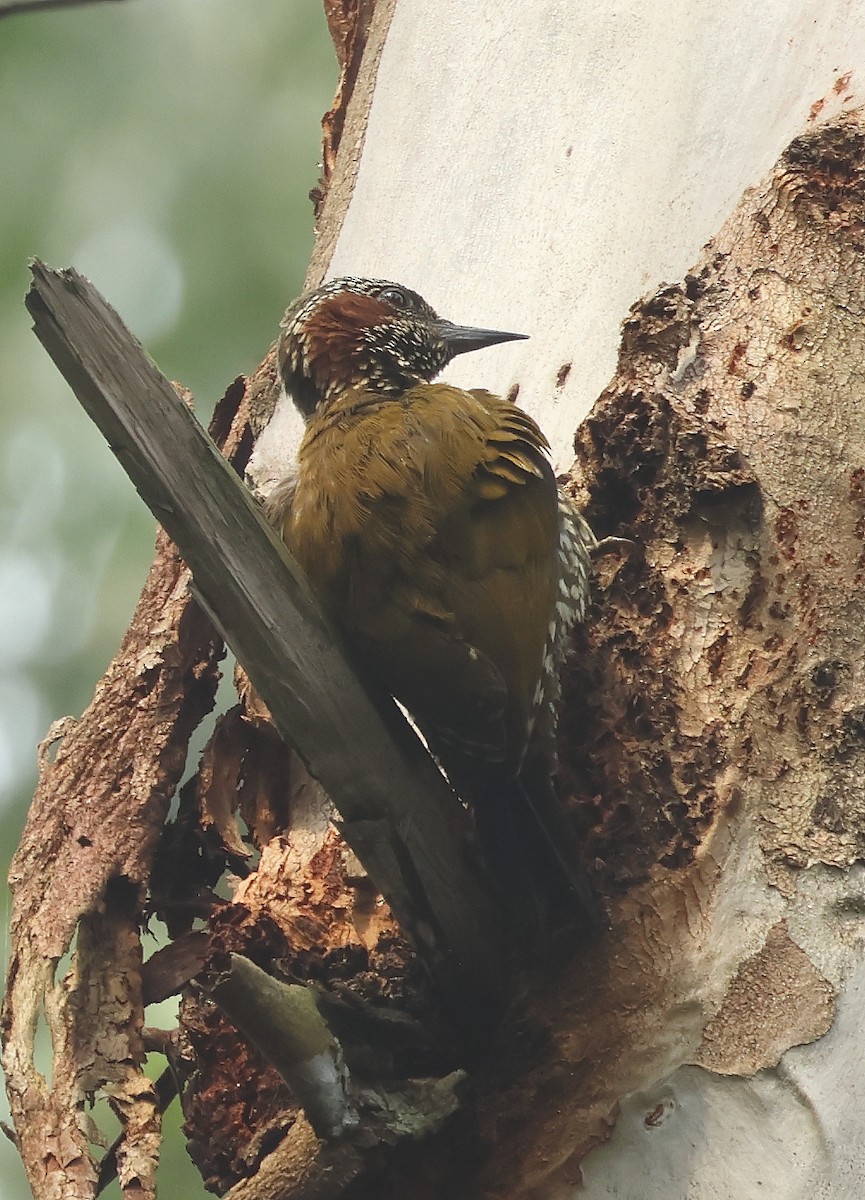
(106,366)
(79,877)
(283,1022)
(361,749)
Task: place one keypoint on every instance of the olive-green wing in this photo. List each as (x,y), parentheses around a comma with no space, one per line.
(432,541)
(500,559)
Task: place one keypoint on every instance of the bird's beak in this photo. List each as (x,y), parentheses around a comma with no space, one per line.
(460,339)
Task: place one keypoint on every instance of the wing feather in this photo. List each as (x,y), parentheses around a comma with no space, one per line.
(428,525)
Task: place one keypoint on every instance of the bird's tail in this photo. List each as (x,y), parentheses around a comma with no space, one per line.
(534,858)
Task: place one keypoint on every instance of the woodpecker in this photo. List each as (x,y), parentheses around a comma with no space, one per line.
(430,524)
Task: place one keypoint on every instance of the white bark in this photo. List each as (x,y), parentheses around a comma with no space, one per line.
(542,165)
(539,167)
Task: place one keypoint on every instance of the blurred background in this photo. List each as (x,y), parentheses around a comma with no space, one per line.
(166,148)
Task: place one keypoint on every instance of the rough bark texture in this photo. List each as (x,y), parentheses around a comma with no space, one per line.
(711,704)
(732,433)
(349,22)
(712,751)
(79,881)
(712,735)
(359,29)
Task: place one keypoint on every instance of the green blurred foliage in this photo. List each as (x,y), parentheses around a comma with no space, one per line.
(166,148)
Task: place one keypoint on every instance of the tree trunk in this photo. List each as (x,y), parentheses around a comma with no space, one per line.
(713,737)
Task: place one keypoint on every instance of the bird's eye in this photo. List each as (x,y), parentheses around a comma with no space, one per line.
(395,296)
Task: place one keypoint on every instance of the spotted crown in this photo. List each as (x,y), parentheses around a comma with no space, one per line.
(363,333)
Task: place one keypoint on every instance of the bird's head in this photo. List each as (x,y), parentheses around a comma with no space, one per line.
(370,334)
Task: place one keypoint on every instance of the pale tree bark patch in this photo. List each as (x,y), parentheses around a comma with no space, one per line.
(777,999)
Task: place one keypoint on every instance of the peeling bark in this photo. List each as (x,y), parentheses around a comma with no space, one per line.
(711,736)
(359,29)
(734,436)
(712,752)
(711,704)
(777,999)
(79,881)
(349,22)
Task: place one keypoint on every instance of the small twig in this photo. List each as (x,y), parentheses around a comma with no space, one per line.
(17,7)
(624,547)
(166,1091)
(283,1022)
(8,1132)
